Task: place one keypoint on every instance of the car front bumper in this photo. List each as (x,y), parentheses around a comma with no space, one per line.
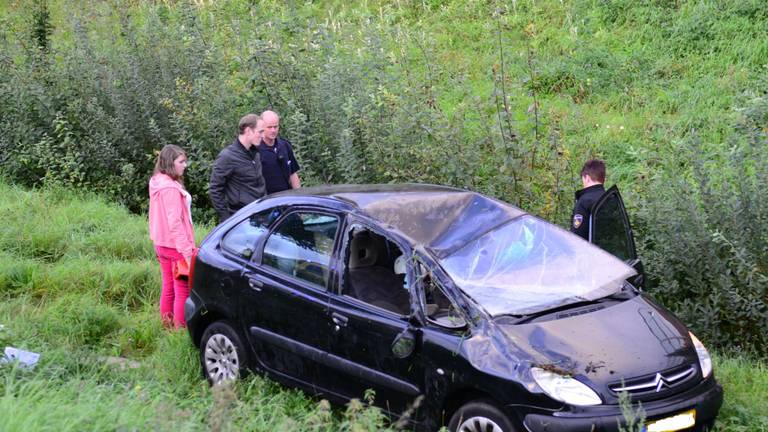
(706,399)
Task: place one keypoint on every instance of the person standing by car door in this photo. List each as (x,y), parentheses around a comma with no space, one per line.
(279,165)
(170,228)
(236,178)
(592,179)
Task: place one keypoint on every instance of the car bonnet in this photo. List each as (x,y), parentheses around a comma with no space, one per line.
(621,342)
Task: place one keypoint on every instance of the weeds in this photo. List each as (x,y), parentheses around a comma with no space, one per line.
(106,361)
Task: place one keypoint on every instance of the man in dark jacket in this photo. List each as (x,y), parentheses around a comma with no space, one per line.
(592,178)
(236,178)
(278,164)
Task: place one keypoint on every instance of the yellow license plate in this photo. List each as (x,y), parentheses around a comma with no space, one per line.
(674,423)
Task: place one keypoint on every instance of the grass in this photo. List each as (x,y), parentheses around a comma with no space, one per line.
(623,80)
(79,284)
(746,394)
(83,304)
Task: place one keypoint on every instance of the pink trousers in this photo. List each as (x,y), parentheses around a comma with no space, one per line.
(175,291)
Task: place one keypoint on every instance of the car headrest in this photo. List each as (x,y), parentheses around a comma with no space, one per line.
(363,251)
(400,264)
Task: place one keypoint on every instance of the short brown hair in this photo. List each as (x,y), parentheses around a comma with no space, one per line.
(595,169)
(248,121)
(165,160)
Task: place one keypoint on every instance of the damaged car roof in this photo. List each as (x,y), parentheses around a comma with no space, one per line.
(438,217)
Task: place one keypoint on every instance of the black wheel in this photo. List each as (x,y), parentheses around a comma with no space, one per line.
(480,416)
(222,353)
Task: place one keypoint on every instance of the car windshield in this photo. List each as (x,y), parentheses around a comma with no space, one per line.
(529,265)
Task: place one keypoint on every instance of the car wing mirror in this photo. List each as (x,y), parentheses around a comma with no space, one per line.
(404,344)
(453,322)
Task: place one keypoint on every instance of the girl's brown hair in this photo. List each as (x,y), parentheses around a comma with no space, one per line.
(165,160)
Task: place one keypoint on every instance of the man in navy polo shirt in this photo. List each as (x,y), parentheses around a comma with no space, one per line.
(278,164)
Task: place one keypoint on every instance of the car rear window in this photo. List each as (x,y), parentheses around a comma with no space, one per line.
(241,239)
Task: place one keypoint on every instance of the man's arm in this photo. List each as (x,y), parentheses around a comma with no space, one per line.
(293,167)
(219,177)
(580,221)
(295,181)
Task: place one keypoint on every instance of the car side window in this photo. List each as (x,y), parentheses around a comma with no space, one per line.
(302,245)
(242,239)
(610,231)
(376,272)
(438,307)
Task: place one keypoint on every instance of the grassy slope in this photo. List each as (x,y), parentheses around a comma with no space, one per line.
(79,283)
(623,80)
(620,79)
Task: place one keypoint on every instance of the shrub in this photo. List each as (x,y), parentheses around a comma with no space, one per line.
(372,94)
(704,235)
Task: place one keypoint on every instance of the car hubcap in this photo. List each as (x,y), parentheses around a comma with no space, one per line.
(479,424)
(221,362)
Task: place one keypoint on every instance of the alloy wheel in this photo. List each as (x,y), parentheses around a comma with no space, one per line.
(479,424)
(221,360)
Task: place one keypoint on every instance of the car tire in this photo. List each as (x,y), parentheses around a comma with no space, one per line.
(480,416)
(222,354)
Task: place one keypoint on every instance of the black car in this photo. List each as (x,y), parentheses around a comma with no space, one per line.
(489,317)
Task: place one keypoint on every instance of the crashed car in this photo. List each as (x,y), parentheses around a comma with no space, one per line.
(455,308)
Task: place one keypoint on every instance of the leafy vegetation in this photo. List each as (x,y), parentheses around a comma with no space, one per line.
(107,363)
(507,98)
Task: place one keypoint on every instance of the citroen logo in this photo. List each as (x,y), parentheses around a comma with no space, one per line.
(660,382)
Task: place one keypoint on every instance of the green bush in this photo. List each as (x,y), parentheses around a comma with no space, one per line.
(509,105)
(704,236)
(84,114)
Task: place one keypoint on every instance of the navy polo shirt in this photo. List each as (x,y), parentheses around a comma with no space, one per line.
(277,164)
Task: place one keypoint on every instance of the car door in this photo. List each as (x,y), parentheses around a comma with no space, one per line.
(375,341)
(610,229)
(285,306)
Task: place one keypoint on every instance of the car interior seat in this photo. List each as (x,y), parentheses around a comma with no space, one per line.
(371,282)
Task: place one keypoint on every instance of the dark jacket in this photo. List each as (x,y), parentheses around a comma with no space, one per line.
(585,199)
(236,179)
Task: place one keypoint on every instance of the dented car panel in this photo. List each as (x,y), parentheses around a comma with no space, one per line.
(343,289)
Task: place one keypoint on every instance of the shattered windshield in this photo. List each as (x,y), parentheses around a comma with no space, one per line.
(529,266)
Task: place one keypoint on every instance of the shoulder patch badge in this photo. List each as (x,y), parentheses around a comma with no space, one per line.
(577,220)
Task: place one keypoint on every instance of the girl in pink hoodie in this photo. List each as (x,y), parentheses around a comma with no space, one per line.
(170,228)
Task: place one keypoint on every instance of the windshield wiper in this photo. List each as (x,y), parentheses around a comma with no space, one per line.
(524,318)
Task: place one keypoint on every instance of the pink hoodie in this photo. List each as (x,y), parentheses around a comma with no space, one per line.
(170,224)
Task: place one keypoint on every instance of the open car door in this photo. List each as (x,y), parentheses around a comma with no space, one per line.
(609,228)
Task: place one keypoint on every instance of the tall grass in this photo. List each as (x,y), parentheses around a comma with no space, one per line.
(506,98)
(79,285)
(746,394)
(107,363)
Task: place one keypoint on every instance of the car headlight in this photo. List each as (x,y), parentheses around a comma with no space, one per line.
(705,361)
(564,388)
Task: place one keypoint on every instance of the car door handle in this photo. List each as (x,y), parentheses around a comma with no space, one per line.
(339,321)
(255,284)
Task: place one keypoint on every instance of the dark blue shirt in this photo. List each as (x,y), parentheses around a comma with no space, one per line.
(277,164)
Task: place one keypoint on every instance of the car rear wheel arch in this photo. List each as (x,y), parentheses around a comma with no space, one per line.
(204,322)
